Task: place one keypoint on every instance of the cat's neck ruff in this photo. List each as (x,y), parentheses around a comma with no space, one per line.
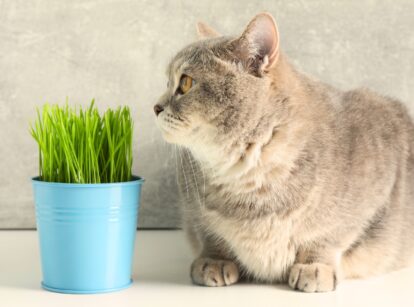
(235,163)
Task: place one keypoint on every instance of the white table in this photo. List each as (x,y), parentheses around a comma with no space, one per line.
(161,274)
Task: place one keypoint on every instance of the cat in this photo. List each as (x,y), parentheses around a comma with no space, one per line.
(285,178)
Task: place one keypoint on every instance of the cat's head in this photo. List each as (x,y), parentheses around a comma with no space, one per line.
(218,87)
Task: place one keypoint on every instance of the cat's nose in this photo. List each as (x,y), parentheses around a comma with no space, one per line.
(158,109)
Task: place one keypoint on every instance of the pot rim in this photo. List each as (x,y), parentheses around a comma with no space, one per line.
(135,180)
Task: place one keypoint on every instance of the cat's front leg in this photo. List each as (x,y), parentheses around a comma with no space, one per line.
(214,267)
(314,272)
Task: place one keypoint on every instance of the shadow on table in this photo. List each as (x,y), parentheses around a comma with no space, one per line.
(179,274)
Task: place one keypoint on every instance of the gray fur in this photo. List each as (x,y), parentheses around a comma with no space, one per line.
(285,178)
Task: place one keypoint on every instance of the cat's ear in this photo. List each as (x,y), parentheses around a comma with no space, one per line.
(204,31)
(258,46)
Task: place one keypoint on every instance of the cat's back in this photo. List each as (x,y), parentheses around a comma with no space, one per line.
(366,104)
(376,121)
(377,135)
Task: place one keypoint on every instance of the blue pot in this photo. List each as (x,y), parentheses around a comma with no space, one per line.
(87,234)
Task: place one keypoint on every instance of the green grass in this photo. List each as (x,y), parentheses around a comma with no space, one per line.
(80,146)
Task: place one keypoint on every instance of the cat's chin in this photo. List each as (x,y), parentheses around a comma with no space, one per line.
(171,138)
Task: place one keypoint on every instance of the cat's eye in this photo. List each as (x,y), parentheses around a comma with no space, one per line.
(186,83)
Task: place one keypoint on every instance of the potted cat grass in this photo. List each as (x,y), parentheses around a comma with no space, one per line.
(86,198)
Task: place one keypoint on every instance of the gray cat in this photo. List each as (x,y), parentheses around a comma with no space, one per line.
(285,178)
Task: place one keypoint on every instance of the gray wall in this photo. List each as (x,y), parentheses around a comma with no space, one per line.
(117,51)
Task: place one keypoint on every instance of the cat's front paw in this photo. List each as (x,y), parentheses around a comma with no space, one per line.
(214,272)
(314,277)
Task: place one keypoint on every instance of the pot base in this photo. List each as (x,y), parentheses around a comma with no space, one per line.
(70,291)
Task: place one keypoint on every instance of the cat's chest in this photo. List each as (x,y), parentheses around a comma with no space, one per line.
(262,245)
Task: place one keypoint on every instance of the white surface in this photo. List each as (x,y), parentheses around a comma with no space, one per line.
(161,274)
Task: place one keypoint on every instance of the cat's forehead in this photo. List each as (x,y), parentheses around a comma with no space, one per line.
(200,53)
(183,58)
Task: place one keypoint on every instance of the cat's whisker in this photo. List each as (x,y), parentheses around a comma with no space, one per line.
(184,174)
(176,161)
(202,166)
(194,175)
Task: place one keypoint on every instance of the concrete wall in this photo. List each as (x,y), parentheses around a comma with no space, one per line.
(117,51)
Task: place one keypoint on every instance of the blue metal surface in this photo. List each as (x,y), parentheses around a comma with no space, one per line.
(86,234)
